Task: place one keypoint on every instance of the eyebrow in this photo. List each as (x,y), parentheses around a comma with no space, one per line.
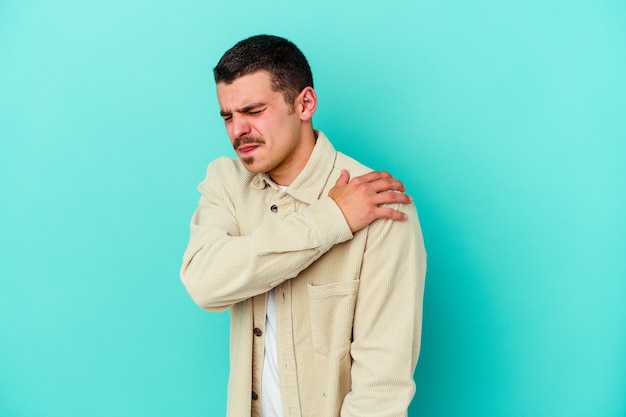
(244,109)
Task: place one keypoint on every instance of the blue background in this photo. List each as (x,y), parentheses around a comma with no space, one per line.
(506,121)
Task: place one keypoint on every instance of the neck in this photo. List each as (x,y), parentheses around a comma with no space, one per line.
(286,172)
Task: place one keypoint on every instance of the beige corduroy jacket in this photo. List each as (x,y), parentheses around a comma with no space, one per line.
(349,307)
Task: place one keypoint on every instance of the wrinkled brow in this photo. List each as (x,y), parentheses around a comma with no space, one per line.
(244,109)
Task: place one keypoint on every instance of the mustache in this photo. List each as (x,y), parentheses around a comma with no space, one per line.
(245,140)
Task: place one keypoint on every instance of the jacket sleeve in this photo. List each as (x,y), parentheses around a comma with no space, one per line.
(221,267)
(388,320)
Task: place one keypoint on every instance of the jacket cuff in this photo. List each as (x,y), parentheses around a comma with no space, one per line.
(328,223)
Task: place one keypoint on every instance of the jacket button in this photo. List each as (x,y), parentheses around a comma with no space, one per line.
(255,396)
(257,331)
(274,208)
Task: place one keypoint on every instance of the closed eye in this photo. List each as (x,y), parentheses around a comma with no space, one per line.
(251,110)
(226,115)
(255,111)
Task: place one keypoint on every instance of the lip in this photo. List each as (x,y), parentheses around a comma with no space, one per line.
(246,149)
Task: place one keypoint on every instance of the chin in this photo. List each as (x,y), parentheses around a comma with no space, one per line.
(249,164)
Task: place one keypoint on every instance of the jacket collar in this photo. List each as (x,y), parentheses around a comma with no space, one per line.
(309,184)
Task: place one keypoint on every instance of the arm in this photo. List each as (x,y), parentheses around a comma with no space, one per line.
(387,321)
(221,267)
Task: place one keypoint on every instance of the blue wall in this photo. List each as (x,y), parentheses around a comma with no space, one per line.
(506,120)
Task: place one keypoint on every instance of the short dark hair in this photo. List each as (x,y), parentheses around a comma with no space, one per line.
(288,68)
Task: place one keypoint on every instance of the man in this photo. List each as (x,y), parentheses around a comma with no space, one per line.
(323,274)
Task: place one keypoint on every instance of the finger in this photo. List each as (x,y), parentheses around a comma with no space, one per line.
(387,184)
(389,213)
(372,176)
(343,179)
(391,197)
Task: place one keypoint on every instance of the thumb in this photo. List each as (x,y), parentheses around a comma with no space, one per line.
(343,179)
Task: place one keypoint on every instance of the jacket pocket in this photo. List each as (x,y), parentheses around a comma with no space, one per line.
(331,308)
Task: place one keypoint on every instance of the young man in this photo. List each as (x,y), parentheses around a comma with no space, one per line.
(320,260)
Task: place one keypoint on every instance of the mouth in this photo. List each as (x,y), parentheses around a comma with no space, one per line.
(245,149)
(246,146)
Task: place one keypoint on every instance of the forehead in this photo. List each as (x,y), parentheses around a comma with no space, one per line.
(255,87)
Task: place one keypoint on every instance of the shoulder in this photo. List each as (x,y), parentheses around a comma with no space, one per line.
(225,174)
(354,167)
(230,170)
(225,166)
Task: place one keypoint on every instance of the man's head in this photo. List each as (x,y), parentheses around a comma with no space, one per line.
(266,97)
(286,64)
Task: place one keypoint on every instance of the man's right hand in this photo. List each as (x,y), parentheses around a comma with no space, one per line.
(360,198)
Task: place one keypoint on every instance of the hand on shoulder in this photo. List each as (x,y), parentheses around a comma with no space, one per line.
(360,198)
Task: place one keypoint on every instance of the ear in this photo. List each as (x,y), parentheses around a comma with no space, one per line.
(307,101)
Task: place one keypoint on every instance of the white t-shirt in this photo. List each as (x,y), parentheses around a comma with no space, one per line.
(271,403)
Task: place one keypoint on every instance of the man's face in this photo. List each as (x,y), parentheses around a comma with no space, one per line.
(264,130)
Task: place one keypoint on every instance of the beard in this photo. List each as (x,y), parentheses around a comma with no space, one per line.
(245,140)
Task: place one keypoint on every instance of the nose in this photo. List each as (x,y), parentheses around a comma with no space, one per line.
(239,126)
